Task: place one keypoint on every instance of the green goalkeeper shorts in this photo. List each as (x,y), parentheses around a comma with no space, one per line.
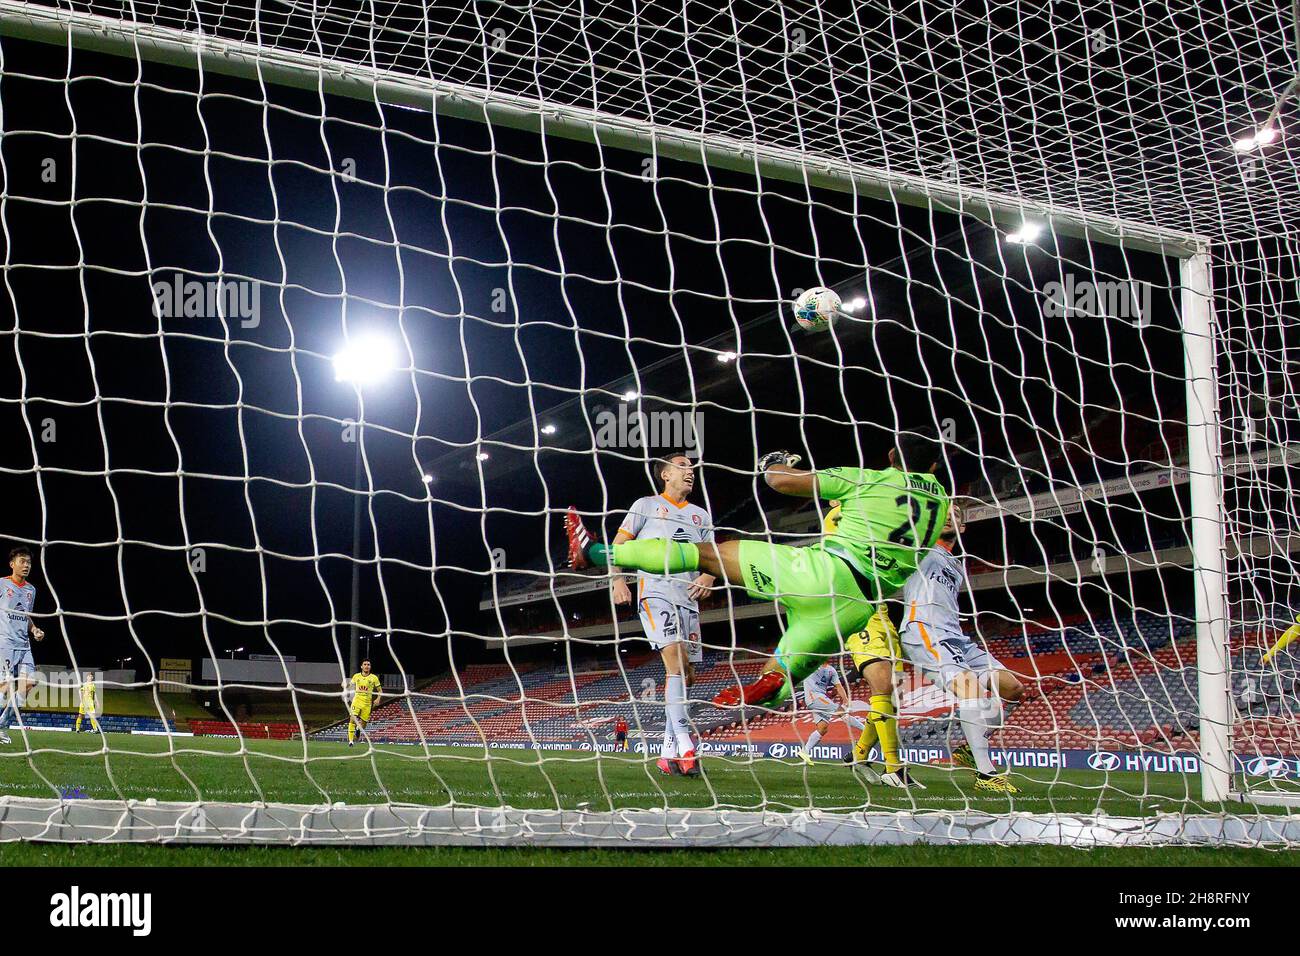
(820,592)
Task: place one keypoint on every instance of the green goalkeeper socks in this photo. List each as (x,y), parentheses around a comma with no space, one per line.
(655,555)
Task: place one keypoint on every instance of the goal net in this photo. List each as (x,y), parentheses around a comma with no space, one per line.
(322,315)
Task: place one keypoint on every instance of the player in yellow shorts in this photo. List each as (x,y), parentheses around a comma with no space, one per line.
(365,695)
(86,707)
(877,653)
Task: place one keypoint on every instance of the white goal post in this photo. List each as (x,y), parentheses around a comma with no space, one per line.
(1205,470)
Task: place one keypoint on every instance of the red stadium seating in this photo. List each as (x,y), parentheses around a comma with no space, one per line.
(1107,685)
(257,731)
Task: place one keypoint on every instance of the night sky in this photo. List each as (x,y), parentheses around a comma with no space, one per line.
(177,433)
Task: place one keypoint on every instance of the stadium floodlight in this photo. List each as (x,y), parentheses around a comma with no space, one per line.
(631,395)
(1026,234)
(1263,136)
(548,429)
(366,360)
(725,357)
(427,478)
(483,456)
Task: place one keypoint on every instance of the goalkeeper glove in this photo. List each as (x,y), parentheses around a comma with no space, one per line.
(777,458)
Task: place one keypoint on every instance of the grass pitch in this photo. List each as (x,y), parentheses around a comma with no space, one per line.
(121,766)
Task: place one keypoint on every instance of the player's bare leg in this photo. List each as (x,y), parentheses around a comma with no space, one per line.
(25,685)
(15,697)
(1009,687)
(676,718)
(882,726)
(6,689)
(812,740)
(1010,690)
(979,717)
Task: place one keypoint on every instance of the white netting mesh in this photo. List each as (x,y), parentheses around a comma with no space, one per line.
(1259,416)
(193,229)
(1119,111)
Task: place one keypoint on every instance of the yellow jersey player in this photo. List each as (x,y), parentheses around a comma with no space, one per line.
(877,654)
(1289,635)
(365,695)
(86,707)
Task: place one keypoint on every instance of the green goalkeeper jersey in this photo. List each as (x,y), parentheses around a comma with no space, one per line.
(887,519)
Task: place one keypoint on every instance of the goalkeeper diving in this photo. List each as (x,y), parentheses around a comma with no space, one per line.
(829,590)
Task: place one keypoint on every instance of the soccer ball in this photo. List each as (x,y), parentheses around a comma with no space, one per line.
(815,308)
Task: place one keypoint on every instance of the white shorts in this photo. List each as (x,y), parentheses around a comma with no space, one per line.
(823,709)
(15,660)
(667,623)
(945,655)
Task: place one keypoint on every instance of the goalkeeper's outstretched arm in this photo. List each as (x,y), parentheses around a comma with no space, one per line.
(1289,635)
(778,471)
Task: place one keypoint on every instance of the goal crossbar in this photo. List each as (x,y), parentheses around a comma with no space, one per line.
(237,58)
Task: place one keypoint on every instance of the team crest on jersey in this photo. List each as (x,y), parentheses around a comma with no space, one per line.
(695,518)
(661,512)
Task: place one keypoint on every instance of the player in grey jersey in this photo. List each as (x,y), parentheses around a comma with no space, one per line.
(17,631)
(668,604)
(817,690)
(933,641)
